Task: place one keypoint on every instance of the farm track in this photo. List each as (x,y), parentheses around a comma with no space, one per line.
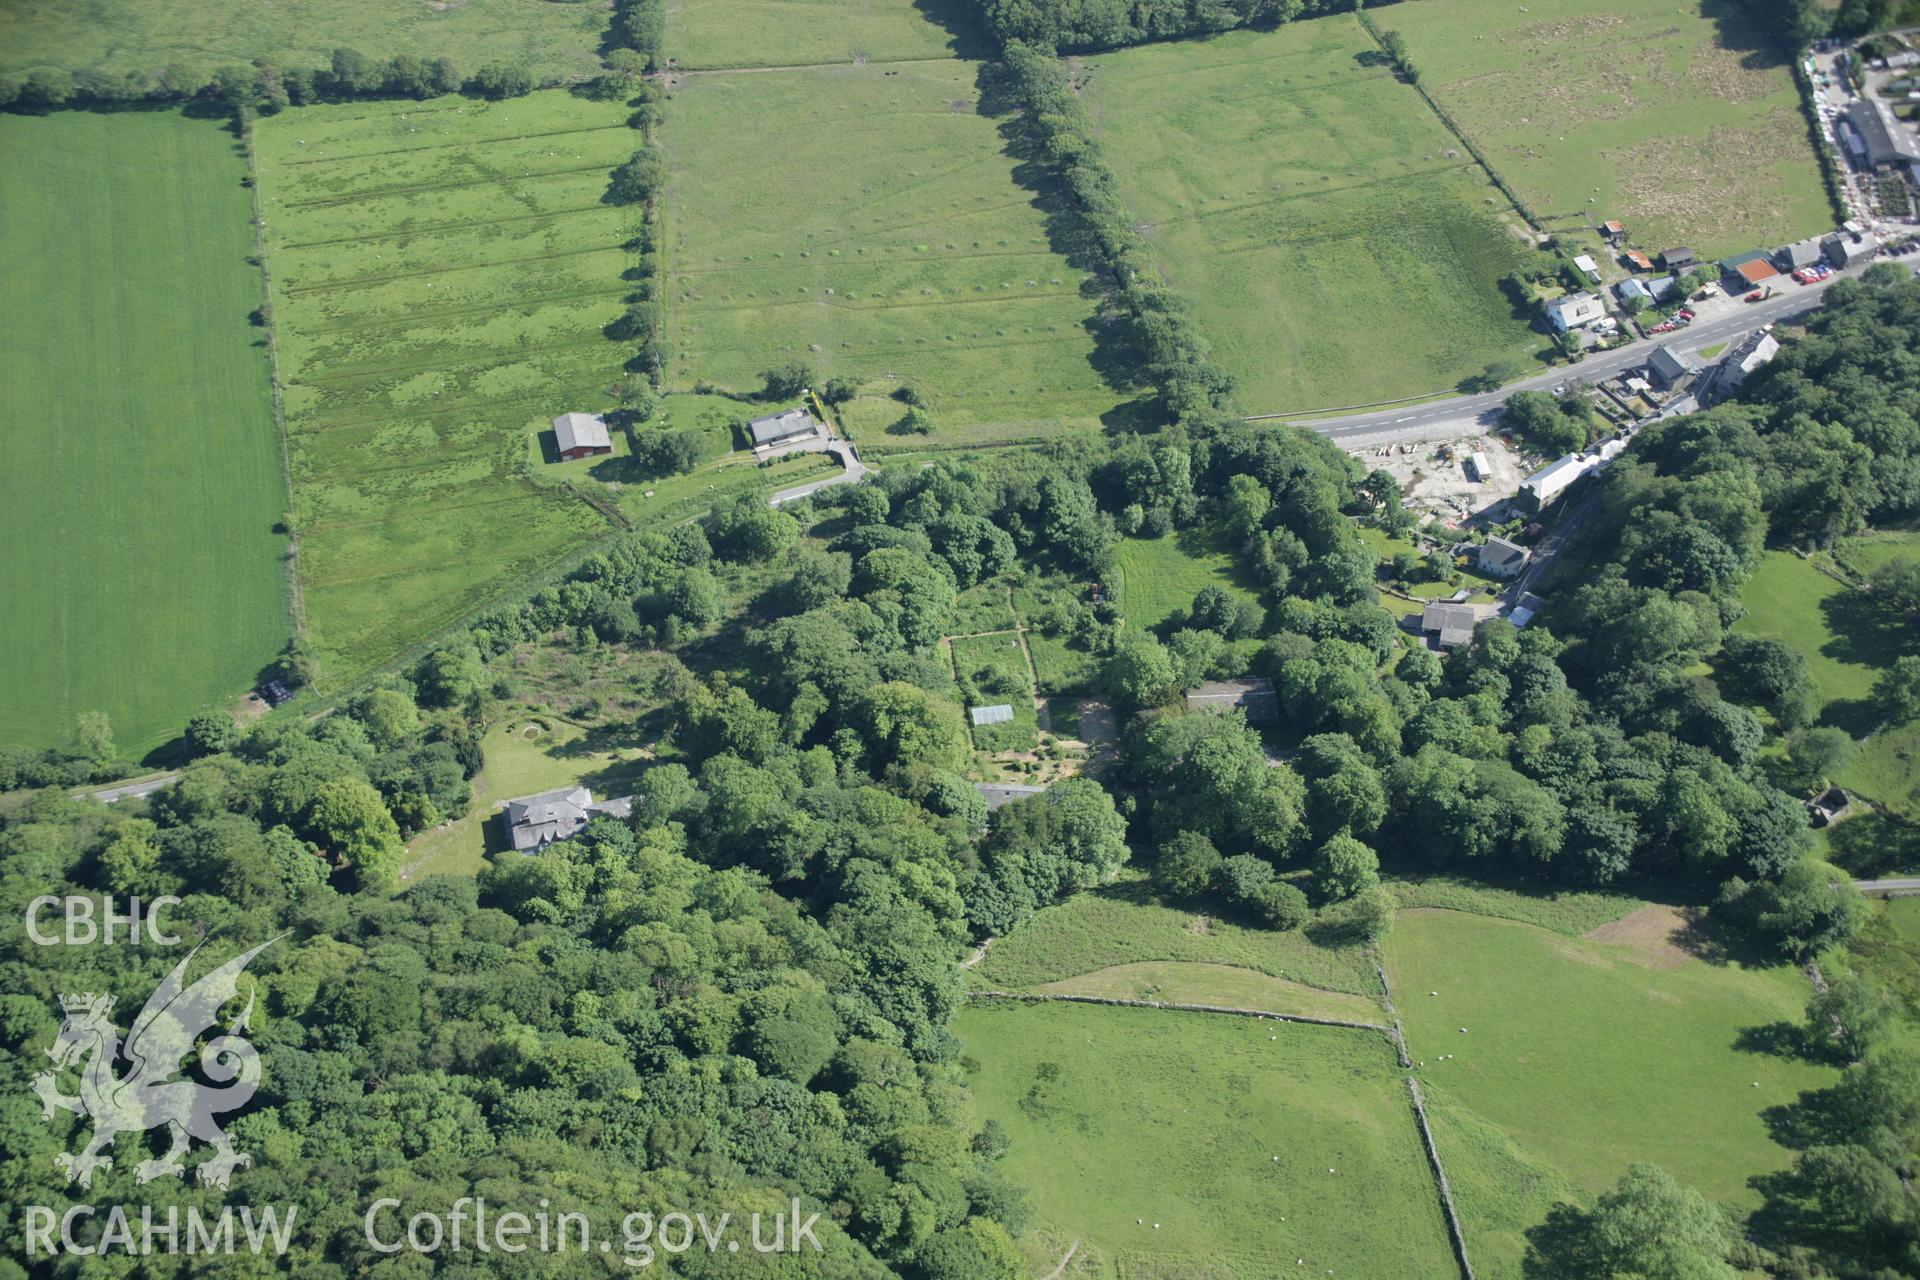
(440,228)
(492,180)
(420,317)
(462,143)
(361,282)
(353,374)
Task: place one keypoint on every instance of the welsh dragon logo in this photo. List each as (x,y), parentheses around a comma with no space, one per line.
(149,1095)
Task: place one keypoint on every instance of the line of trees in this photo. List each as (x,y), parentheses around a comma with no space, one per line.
(1108,24)
(1174,356)
(264,86)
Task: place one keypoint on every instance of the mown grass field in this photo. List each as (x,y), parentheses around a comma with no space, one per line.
(441,274)
(140,475)
(1580,1057)
(790,33)
(554,40)
(1158,577)
(1186,1144)
(866,220)
(1847,643)
(1125,924)
(995,668)
(1682,122)
(1336,245)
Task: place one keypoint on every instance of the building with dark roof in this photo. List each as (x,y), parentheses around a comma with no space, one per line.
(534,822)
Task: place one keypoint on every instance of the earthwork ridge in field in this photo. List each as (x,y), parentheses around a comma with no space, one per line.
(442,277)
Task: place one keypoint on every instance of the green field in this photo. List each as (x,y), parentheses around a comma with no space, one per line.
(1846,643)
(1681,122)
(441,276)
(868,223)
(1602,1054)
(554,40)
(140,475)
(1788,599)
(1336,245)
(1158,577)
(1184,1144)
(1124,924)
(764,33)
(994,669)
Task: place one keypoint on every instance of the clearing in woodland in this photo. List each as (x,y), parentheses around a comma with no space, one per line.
(1192,1144)
(1604,1054)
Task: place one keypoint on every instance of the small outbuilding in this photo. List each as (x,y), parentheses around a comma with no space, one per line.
(1255,697)
(998,713)
(1451,625)
(1677,260)
(581,435)
(783,430)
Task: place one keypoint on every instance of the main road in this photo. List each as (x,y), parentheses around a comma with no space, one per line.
(1467,414)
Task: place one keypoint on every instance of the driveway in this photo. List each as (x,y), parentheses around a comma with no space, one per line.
(131,790)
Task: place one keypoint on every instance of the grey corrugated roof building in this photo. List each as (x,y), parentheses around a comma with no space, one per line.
(784,425)
(1452,623)
(575,432)
(1888,139)
(533,822)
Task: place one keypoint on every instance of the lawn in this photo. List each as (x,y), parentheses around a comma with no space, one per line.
(1788,599)
(1684,123)
(865,220)
(554,40)
(992,670)
(1156,578)
(761,33)
(1184,1144)
(1337,246)
(140,476)
(1605,1054)
(525,755)
(1125,924)
(441,276)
